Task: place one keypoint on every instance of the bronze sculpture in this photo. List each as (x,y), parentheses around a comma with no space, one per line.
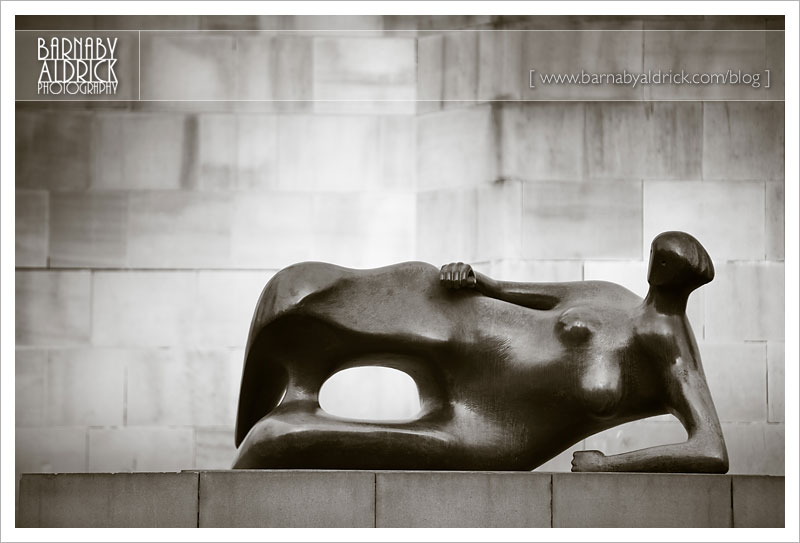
(509,374)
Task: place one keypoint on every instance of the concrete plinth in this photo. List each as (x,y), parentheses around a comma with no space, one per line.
(643,500)
(297,498)
(287,499)
(108,500)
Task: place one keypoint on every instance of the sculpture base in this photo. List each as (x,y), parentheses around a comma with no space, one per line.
(298,498)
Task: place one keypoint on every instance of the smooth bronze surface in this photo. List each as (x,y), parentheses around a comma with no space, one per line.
(509,374)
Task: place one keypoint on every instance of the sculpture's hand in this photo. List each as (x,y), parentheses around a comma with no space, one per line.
(458,275)
(588,461)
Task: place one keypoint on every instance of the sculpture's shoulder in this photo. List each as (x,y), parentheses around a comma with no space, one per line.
(662,336)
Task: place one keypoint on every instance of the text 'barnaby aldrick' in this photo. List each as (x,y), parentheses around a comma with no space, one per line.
(77,65)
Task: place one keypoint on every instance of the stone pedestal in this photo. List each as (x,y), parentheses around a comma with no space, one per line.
(297,498)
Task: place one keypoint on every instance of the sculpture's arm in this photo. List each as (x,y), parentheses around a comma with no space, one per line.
(689,399)
(533,295)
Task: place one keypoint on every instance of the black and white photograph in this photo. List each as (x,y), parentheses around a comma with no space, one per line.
(399,265)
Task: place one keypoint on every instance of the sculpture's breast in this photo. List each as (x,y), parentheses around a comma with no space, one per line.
(576,326)
(595,342)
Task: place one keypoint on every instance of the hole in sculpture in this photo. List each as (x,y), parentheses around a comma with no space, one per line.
(371,393)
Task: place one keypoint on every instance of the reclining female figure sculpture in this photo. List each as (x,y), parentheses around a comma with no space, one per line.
(509,374)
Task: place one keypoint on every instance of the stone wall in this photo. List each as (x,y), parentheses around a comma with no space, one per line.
(146,229)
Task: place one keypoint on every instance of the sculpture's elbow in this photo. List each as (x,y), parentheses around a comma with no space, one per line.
(714,457)
(719,461)
(713,464)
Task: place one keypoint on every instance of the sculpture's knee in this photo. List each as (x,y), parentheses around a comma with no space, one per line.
(678,260)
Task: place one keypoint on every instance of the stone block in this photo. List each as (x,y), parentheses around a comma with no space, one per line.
(54,22)
(705,22)
(88,229)
(582,220)
(775,381)
(215,158)
(85,387)
(31,227)
(775,22)
(52,308)
(630,274)
(456,148)
(271,229)
(328,152)
(188,66)
(214,448)
(638,500)
(592,51)
(346,25)
(287,499)
(727,218)
(746,302)
(543,271)
(256,152)
(643,140)
(775,62)
(168,387)
(106,500)
(449,22)
(640,434)
(501,72)
(755,448)
(149,22)
(224,306)
(295,73)
(143,151)
(29,387)
(743,140)
(430,73)
(179,229)
(142,309)
(364,75)
(776,228)
(499,221)
(107,164)
(462,500)
(257,65)
(542,141)
(398,153)
(52,150)
(460,69)
(140,449)
(702,52)
(737,377)
(363,230)
(758,502)
(447,226)
(50,450)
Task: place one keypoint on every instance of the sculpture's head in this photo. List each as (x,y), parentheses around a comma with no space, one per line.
(678,261)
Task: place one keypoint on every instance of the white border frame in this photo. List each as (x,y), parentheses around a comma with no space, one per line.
(7,137)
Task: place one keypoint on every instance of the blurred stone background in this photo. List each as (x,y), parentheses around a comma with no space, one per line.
(145,230)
